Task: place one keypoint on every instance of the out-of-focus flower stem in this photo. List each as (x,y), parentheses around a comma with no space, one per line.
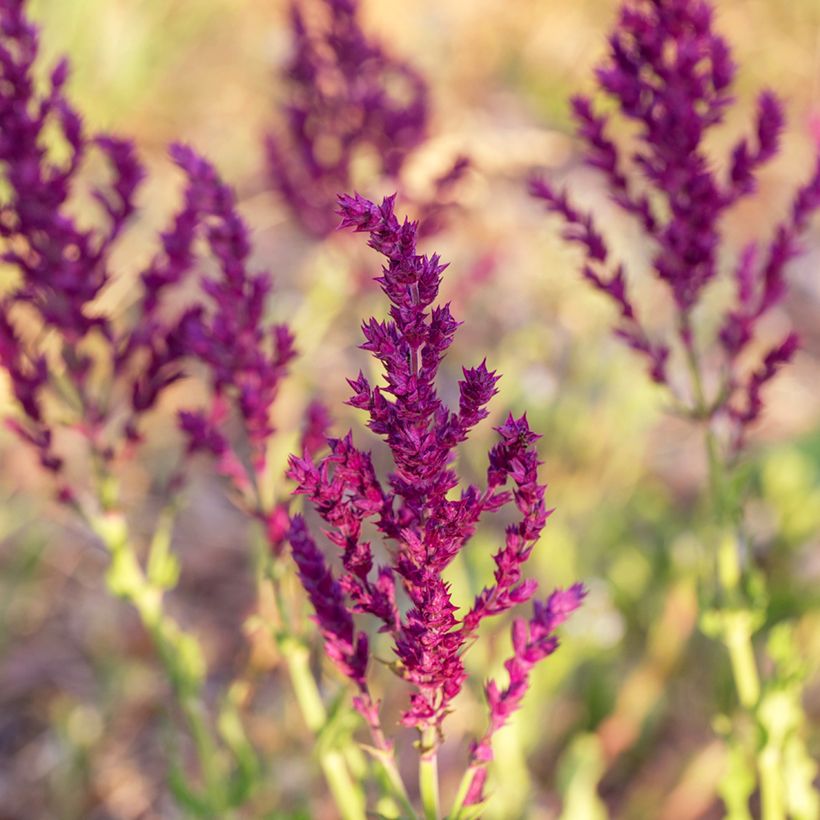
(739,629)
(461,795)
(179,653)
(738,620)
(428,775)
(336,763)
(347,794)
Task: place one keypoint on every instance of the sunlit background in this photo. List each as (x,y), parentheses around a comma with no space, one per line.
(620,721)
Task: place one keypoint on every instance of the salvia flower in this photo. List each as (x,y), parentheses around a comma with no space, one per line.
(533,641)
(60,267)
(670,73)
(245,358)
(422,521)
(347,98)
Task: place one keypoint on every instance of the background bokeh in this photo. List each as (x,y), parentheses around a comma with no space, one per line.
(619,722)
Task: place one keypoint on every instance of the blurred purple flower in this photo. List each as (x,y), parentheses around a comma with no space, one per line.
(245,358)
(347,98)
(61,267)
(671,74)
(418,516)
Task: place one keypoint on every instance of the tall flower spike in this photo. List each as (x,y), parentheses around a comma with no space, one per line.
(347,97)
(61,267)
(246,360)
(422,523)
(671,74)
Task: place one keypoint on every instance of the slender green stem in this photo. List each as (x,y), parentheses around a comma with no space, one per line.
(206,748)
(336,764)
(428,775)
(383,752)
(388,763)
(347,794)
(771,784)
(177,651)
(738,621)
(744,667)
(349,799)
(307,694)
(461,794)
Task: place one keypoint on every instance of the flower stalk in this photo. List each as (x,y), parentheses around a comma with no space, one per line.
(347,793)
(428,775)
(423,523)
(670,74)
(178,651)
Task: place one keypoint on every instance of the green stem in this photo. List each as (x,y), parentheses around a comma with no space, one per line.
(461,794)
(347,794)
(771,784)
(388,763)
(127,580)
(738,626)
(206,748)
(336,765)
(428,775)
(384,753)
(737,637)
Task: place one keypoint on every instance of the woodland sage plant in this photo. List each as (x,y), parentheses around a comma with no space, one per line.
(349,104)
(82,376)
(85,381)
(346,97)
(670,75)
(423,523)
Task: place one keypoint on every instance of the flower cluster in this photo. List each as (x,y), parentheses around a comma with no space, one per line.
(671,74)
(533,641)
(61,267)
(423,523)
(245,359)
(347,97)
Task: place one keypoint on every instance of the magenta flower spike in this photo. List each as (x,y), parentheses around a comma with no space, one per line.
(670,74)
(63,268)
(423,524)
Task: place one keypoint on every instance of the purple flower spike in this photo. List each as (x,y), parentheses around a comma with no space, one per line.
(533,640)
(424,523)
(61,267)
(671,74)
(348,651)
(226,332)
(347,96)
